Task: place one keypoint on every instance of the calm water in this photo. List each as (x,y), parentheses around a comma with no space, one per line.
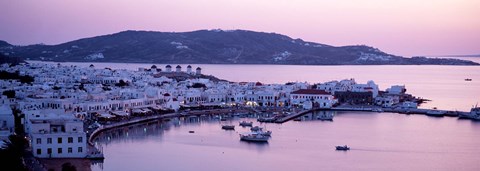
(444,85)
(379,141)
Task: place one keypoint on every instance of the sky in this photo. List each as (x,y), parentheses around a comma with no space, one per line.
(406,27)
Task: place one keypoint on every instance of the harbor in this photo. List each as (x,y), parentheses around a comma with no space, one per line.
(169,139)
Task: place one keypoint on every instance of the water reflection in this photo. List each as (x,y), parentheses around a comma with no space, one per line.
(136,132)
(323,115)
(376,140)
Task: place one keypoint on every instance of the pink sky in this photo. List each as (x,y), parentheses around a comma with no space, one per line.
(406,27)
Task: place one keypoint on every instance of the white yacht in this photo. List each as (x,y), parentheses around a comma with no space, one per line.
(254,137)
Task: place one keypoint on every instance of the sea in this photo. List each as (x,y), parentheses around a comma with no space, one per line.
(378,141)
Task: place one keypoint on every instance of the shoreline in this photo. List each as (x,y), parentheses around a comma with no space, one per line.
(369,65)
(287,118)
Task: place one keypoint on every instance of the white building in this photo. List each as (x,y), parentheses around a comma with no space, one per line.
(168,68)
(397,89)
(7,122)
(178,68)
(320,97)
(198,71)
(57,136)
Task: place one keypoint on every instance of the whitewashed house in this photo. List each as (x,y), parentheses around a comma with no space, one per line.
(320,97)
(7,122)
(57,136)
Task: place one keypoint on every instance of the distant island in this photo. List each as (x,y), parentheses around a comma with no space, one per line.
(212,47)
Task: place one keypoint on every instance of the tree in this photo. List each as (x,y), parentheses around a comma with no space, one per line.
(199,85)
(12,152)
(9,93)
(121,83)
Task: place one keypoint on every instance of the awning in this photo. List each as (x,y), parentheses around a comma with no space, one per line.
(120,113)
(146,110)
(156,108)
(105,115)
(137,111)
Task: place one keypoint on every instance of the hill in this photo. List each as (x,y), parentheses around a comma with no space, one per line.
(212,47)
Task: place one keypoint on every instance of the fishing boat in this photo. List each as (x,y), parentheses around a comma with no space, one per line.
(325,117)
(255,128)
(473,114)
(342,148)
(264,133)
(245,123)
(468,79)
(254,138)
(228,127)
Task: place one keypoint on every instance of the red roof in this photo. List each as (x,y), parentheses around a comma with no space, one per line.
(311,91)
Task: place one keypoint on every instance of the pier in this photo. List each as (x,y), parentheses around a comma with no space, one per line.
(292,116)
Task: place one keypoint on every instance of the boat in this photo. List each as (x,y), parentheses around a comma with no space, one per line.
(468,79)
(191,132)
(325,117)
(270,119)
(377,110)
(254,137)
(473,114)
(228,127)
(255,128)
(265,133)
(95,156)
(245,123)
(437,113)
(342,148)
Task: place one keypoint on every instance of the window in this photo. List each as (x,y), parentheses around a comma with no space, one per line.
(70,139)
(80,149)
(70,149)
(39,151)
(49,151)
(39,140)
(59,150)
(80,139)
(60,140)
(49,140)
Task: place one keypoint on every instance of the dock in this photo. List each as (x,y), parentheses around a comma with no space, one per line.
(292,116)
